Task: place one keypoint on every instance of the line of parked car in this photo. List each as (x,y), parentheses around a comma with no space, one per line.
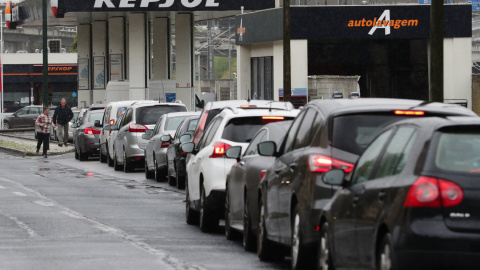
(341,183)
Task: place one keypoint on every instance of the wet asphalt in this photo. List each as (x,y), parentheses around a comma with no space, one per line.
(60,213)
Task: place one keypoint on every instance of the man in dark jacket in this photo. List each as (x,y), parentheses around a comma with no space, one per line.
(62,116)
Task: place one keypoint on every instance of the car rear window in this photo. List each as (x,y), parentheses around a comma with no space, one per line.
(458,152)
(174,122)
(97,115)
(242,129)
(150,115)
(352,133)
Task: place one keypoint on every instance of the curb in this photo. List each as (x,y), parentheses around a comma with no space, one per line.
(13,151)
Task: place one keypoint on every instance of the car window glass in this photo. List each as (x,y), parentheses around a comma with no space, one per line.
(179,130)
(119,121)
(34,110)
(22,111)
(252,148)
(192,125)
(395,152)
(406,153)
(303,136)
(292,133)
(458,150)
(95,116)
(127,118)
(174,122)
(156,129)
(368,159)
(201,143)
(213,131)
(149,115)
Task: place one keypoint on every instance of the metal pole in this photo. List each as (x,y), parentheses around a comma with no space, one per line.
(1,66)
(45,55)
(287,80)
(436,51)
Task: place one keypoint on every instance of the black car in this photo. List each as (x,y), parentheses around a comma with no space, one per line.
(241,207)
(412,201)
(326,134)
(23,118)
(87,141)
(175,156)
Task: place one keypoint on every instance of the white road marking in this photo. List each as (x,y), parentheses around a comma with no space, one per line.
(20,224)
(20,194)
(43,203)
(2,187)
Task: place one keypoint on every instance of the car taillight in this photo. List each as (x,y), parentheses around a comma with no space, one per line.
(248,106)
(219,149)
(166,144)
(271,119)
(137,128)
(433,192)
(112,122)
(91,131)
(320,164)
(414,113)
(262,174)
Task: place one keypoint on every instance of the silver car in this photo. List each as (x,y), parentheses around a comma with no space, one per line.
(137,119)
(156,149)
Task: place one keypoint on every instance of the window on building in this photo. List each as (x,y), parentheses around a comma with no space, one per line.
(262,78)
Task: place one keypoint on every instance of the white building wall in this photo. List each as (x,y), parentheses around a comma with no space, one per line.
(83,50)
(299,63)
(458,69)
(137,61)
(243,71)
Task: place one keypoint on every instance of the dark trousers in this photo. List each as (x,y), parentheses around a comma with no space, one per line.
(45,139)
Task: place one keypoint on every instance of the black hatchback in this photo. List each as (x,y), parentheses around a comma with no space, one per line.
(412,202)
(327,134)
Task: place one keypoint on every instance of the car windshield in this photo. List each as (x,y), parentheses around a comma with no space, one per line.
(242,129)
(150,115)
(174,122)
(352,133)
(458,152)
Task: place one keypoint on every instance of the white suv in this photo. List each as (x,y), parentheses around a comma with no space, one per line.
(207,166)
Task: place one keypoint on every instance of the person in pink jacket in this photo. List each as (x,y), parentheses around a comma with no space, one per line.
(43,122)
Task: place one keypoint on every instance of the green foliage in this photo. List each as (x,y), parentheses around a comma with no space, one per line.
(222,68)
(73,47)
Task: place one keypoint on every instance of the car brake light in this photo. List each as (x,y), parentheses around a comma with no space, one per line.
(433,192)
(137,128)
(414,113)
(219,149)
(273,118)
(248,106)
(112,122)
(262,174)
(91,131)
(320,164)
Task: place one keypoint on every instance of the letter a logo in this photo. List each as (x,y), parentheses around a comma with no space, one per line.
(383,22)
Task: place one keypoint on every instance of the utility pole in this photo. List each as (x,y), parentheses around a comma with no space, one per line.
(437,24)
(45,55)
(287,76)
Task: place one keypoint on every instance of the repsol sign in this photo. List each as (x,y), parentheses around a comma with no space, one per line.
(165,5)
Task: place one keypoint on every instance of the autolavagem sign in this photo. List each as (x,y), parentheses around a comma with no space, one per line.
(165,5)
(383,22)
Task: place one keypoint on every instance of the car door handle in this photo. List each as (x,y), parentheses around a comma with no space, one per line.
(382,195)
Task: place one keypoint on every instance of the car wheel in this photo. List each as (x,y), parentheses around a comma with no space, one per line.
(158,174)
(109,159)
(170,180)
(127,166)
(82,156)
(77,156)
(385,254)
(148,174)
(266,249)
(190,215)
(208,220)
(230,233)
(103,158)
(248,237)
(324,261)
(116,166)
(6,125)
(301,256)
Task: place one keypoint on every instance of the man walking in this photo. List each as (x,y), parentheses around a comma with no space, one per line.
(62,116)
(43,123)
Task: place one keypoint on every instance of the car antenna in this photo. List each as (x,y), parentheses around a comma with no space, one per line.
(249,94)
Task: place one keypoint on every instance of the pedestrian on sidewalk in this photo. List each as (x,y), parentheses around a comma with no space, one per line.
(43,123)
(61,118)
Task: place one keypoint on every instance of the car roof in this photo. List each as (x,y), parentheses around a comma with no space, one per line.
(260,103)
(346,106)
(175,114)
(439,122)
(244,112)
(129,102)
(156,103)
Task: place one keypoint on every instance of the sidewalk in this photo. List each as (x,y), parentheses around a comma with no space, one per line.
(27,147)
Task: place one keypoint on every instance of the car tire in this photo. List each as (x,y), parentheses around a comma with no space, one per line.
(158,173)
(103,158)
(248,241)
(116,166)
(230,232)
(83,156)
(266,249)
(127,166)
(148,174)
(109,159)
(324,257)
(385,254)
(301,256)
(208,220)
(77,156)
(191,215)
(170,179)
(6,125)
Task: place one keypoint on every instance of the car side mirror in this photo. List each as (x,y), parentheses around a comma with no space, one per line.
(97,123)
(234,152)
(188,147)
(146,136)
(334,177)
(165,138)
(74,125)
(149,132)
(185,138)
(267,148)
